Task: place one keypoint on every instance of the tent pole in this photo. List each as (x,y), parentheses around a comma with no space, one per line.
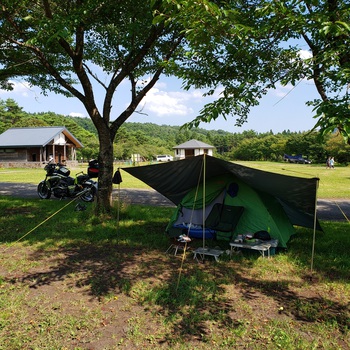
(118,210)
(119,180)
(188,230)
(204,179)
(314,233)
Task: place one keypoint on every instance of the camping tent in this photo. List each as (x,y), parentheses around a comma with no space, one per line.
(271,201)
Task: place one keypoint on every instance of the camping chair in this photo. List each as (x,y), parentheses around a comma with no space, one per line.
(179,240)
(223,219)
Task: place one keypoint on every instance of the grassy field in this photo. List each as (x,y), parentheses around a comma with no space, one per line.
(70,280)
(333,183)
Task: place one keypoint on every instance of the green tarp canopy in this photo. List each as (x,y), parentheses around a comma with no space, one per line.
(174,180)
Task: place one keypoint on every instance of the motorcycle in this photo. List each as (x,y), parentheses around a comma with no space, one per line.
(61,185)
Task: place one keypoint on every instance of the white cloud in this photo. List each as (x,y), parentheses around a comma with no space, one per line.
(305,54)
(161,85)
(74,114)
(19,88)
(282,90)
(165,103)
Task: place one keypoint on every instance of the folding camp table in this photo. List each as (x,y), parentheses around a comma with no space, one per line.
(209,252)
(179,243)
(261,246)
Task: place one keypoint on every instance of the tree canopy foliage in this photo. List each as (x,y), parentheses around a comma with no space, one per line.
(77,47)
(240,48)
(258,43)
(323,27)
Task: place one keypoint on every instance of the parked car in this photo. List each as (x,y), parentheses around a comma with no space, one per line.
(299,159)
(306,161)
(164,158)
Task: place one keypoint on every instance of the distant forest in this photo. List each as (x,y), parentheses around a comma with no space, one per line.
(149,140)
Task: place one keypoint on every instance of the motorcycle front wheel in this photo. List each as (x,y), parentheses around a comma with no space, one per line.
(89,194)
(43,190)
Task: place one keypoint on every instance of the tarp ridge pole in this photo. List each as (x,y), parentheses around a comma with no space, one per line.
(195,200)
(204,180)
(181,266)
(188,230)
(314,233)
(119,180)
(118,211)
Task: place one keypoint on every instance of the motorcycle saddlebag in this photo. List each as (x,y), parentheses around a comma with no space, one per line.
(93,163)
(92,172)
(93,168)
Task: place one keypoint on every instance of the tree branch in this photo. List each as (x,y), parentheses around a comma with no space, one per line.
(136,98)
(87,68)
(129,66)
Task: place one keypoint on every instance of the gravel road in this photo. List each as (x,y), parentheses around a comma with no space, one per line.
(328,210)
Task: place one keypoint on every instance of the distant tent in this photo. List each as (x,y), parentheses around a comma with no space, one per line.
(271,201)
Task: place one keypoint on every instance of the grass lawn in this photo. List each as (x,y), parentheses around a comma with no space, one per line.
(333,183)
(69,280)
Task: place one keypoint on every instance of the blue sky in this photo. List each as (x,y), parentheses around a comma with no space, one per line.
(282,109)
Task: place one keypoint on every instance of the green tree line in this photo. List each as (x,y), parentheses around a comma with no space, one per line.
(148,139)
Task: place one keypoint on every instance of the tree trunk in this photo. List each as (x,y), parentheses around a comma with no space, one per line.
(105,159)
